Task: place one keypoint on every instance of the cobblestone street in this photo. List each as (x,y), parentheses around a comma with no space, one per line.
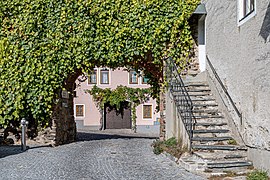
(94,156)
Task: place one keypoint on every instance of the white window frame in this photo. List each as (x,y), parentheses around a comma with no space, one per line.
(75,114)
(138,78)
(241,19)
(97,78)
(109,74)
(152,112)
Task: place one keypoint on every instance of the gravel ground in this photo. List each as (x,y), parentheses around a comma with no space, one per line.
(96,155)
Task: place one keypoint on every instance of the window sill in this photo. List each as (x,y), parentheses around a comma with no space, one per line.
(246,18)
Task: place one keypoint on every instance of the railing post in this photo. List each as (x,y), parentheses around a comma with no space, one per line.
(24,124)
(190,131)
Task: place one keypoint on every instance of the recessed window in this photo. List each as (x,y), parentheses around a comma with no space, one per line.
(246,9)
(92,77)
(144,79)
(104,76)
(133,77)
(147,111)
(79,110)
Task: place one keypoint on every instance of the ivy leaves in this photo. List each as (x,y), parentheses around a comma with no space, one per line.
(116,96)
(43,41)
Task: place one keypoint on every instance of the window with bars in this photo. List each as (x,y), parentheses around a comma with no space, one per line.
(92,77)
(79,110)
(147,111)
(104,76)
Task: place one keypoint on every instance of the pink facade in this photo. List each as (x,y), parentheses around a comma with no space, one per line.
(87,115)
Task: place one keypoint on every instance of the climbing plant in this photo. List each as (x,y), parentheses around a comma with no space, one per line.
(115,97)
(43,41)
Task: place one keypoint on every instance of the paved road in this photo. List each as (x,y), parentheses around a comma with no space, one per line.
(94,156)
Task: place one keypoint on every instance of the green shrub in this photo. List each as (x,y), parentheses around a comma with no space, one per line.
(232,142)
(171,146)
(171,142)
(258,175)
(157,147)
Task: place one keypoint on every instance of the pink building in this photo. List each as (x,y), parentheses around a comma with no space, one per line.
(87,115)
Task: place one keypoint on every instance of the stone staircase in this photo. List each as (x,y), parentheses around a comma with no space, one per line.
(214,150)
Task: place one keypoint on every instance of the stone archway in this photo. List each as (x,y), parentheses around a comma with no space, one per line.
(63,124)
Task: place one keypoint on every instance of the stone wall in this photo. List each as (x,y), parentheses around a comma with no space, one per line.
(240,55)
(192,67)
(63,128)
(63,115)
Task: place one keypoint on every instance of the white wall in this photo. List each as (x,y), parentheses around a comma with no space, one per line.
(240,53)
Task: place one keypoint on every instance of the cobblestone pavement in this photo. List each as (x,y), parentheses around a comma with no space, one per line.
(95,156)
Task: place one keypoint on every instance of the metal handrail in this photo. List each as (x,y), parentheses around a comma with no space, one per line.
(181,98)
(224,88)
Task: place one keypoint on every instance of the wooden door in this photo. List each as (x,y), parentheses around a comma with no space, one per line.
(118,119)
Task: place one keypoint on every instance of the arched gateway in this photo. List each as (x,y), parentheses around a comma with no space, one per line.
(46,45)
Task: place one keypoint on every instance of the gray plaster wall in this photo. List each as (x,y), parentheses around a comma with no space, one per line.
(174,124)
(241,57)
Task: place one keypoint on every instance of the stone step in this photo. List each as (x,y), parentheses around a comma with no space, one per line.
(210,124)
(206,124)
(225,138)
(201,89)
(238,173)
(208,116)
(203,131)
(197,94)
(208,111)
(199,99)
(229,164)
(204,114)
(205,105)
(195,84)
(221,155)
(213,129)
(218,147)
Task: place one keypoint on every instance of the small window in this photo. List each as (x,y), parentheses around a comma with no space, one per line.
(246,8)
(147,111)
(92,77)
(144,79)
(104,76)
(79,111)
(133,77)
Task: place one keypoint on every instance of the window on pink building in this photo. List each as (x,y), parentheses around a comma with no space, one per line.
(133,77)
(104,76)
(79,111)
(147,111)
(92,78)
(144,79)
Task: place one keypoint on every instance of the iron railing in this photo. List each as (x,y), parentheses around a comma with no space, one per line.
(181,97)
(224,88)
(229,97)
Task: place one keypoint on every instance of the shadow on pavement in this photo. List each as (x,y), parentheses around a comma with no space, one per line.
(91,136)
(9,150)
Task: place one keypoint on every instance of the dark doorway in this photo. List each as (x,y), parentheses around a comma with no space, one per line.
(117,119)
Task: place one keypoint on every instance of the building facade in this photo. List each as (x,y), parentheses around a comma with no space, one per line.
(87,113)
(237,41)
